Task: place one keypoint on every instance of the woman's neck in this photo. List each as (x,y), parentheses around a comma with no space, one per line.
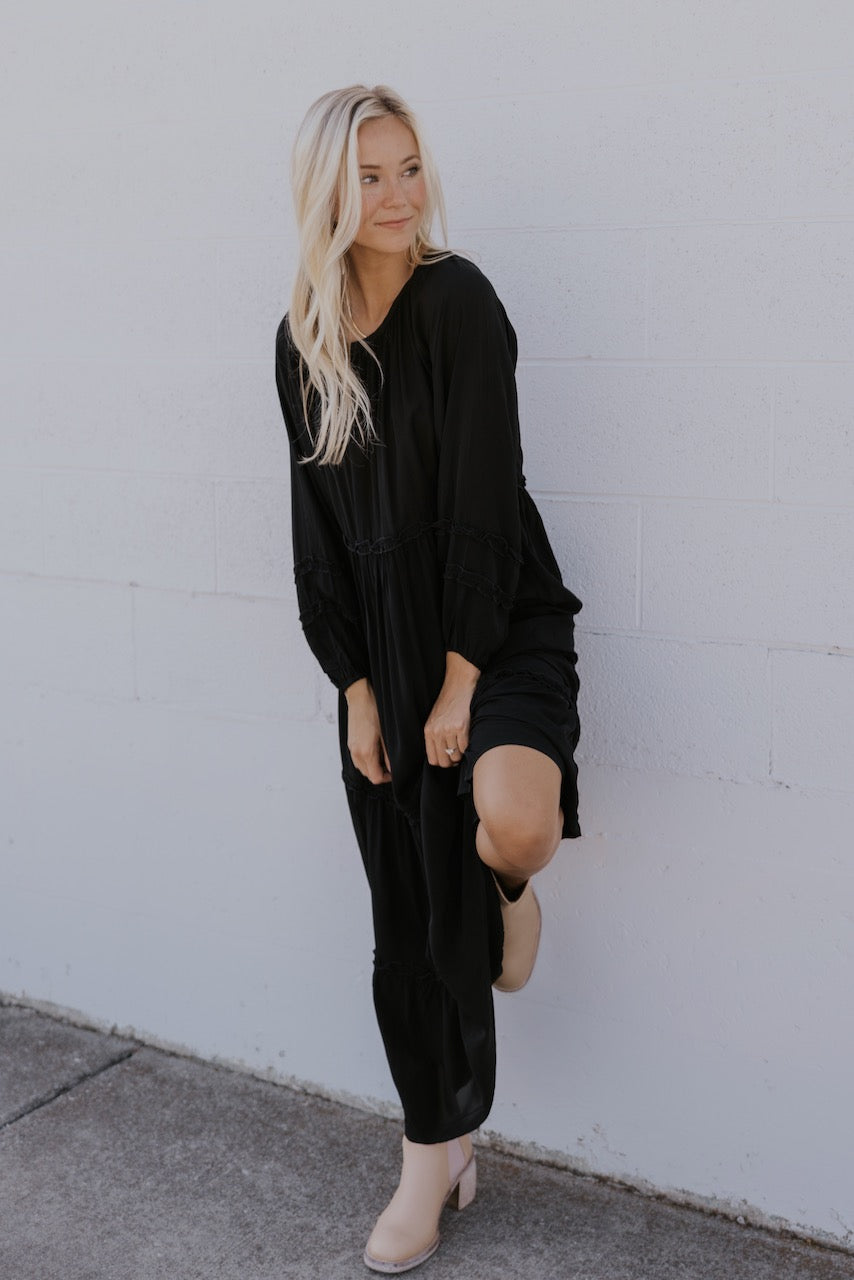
(375,281)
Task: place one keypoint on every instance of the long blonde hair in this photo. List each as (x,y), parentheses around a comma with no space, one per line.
(327,196)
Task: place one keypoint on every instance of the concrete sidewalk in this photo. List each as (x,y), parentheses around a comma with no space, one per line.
(121,1162)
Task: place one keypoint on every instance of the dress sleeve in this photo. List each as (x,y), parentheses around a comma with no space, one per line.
(326,593)
(480,467)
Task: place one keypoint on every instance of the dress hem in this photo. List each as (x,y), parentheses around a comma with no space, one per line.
(465,1125)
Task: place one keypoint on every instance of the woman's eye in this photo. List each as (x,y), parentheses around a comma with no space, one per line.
(368,179)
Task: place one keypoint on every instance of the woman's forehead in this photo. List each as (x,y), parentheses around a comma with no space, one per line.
(380,140)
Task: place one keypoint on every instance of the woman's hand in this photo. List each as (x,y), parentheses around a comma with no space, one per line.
(448,722)
(364,736)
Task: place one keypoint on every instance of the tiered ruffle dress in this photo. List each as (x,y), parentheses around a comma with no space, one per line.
(429,541)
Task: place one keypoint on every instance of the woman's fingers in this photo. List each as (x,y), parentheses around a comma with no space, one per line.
(438,753)
(446,732)
(365,740)
(382,765)
(442,732)
(373,764)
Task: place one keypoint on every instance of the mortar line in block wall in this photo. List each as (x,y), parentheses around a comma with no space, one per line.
(153,473)
(672,362)
(67,579)
(639,571)
(42,524)
(677,224)
(772,436)
(770,687)
(778,144)
(219,348)
(690,499)
(580,86)
(647,255)
(134,663)
(135,360)
(727,641)
(215,487)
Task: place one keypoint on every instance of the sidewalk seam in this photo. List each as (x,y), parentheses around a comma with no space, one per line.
(47,1098)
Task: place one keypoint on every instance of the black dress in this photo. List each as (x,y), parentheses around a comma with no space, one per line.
(429,541)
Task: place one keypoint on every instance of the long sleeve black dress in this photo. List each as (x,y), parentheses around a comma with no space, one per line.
(429,541)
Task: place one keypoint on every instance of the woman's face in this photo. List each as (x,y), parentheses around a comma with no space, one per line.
(393,188)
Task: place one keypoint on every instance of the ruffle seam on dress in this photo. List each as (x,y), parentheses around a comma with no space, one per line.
(317,607)
(382,792)
(420,973)
(379,546)
(485,586)
(315,564)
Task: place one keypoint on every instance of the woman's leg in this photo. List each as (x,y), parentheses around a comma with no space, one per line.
(516,793)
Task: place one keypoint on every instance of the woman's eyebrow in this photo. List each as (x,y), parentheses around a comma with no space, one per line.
(379,166)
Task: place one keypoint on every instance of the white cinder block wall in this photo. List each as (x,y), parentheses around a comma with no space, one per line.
(663,195)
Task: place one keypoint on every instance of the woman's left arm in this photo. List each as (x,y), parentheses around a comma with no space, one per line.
(480,472)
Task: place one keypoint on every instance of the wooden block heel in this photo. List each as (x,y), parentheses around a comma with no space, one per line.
(465,1189)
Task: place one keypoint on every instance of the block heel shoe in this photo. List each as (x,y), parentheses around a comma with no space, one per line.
(522,922)
(407,1231)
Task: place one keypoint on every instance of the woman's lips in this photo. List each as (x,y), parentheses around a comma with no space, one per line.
(400,222)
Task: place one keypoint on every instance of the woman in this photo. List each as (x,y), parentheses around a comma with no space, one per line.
(431,598)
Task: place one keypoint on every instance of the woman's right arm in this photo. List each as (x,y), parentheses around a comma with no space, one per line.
(326,593)
(329,617)
(327,598)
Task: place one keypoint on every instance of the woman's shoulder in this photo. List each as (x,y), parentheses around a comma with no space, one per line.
(288,379)
(284,340)
(287,354)
(455,294)
(454,278)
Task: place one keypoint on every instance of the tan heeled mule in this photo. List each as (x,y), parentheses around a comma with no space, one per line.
(522,922)
(407,1231)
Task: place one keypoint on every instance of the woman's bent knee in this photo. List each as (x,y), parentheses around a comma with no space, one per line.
(516,795)
(524,847)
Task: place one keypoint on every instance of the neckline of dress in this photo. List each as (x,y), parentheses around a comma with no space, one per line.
(395,300)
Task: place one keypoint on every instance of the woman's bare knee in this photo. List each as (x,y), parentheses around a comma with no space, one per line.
(521,847)
(516,795)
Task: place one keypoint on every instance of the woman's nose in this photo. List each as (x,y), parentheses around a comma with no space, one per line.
(395,195)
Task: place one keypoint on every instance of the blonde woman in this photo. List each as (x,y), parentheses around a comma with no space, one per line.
(430,596)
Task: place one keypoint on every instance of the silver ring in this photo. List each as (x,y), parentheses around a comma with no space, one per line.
(451,750)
